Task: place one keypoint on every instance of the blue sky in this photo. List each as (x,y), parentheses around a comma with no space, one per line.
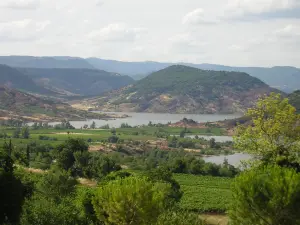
(229,32)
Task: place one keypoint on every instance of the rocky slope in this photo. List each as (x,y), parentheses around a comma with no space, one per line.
(21,105)
(183,89)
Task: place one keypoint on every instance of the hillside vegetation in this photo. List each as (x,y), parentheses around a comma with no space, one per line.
(77,81)
(13,78)
(21,105)
(284,78)
(294,99)
(182,89)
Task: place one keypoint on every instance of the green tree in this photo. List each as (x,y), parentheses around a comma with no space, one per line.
(266,196)
(42,211)
(16,133)
(93,125)
(135,201)
(12,191)
(25,132)
(56,184)
(162,174)
(274,134)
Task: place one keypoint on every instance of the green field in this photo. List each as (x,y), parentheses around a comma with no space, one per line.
(204,193)
(141,133)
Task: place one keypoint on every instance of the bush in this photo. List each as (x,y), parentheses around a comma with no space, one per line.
(269,195)
(133,200)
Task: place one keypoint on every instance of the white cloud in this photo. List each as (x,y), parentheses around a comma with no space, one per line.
(99,2)
(20,4)
(186,43)
(288,31)
(21,30)
(116,32)
(197,17)
(243,7)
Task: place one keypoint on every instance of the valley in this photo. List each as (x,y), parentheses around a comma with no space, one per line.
(71,132)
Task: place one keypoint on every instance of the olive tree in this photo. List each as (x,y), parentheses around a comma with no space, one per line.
(274,135)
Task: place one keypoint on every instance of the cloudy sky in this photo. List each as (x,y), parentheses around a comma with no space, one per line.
(229,32)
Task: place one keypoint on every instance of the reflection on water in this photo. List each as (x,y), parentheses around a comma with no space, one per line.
(234,159)
(137,119)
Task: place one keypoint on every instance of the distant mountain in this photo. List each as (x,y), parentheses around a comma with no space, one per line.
(17,104)
(182,89)
(294,99)
(45,62)
(13,78)
(286,79)
(77,81)
(134,69)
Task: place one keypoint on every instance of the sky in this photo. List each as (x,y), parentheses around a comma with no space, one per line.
(227,32)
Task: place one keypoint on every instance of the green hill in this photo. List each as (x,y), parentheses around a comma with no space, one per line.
(11,77)
(77,81)
(295,100)
(183,89)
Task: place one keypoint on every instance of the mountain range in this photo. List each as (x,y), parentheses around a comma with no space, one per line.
(183,89)
(283,78)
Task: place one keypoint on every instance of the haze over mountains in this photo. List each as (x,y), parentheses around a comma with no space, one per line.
(286,79)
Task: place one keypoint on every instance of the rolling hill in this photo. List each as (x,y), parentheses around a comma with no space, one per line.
(77,81)
(284,78)
(21,105)
(183,89)
(13,78)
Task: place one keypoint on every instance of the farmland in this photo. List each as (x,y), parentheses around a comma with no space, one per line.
(204,193)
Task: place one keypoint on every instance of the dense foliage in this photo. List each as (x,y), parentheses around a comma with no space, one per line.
(266,196)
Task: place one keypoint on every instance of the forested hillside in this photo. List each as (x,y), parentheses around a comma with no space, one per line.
(183,89)
(11,77)
(77,81)
(284,78)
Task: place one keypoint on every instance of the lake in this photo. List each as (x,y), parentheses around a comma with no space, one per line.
(136,119)
(234,159)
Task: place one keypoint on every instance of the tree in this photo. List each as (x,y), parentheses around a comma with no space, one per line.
(182,134)
(25,132)
(113,139)
(93,125)
(165,175)
(266,196)
(56,184)
(16,133)
(12,191)
(135,201)
(274,134)
(212,143)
